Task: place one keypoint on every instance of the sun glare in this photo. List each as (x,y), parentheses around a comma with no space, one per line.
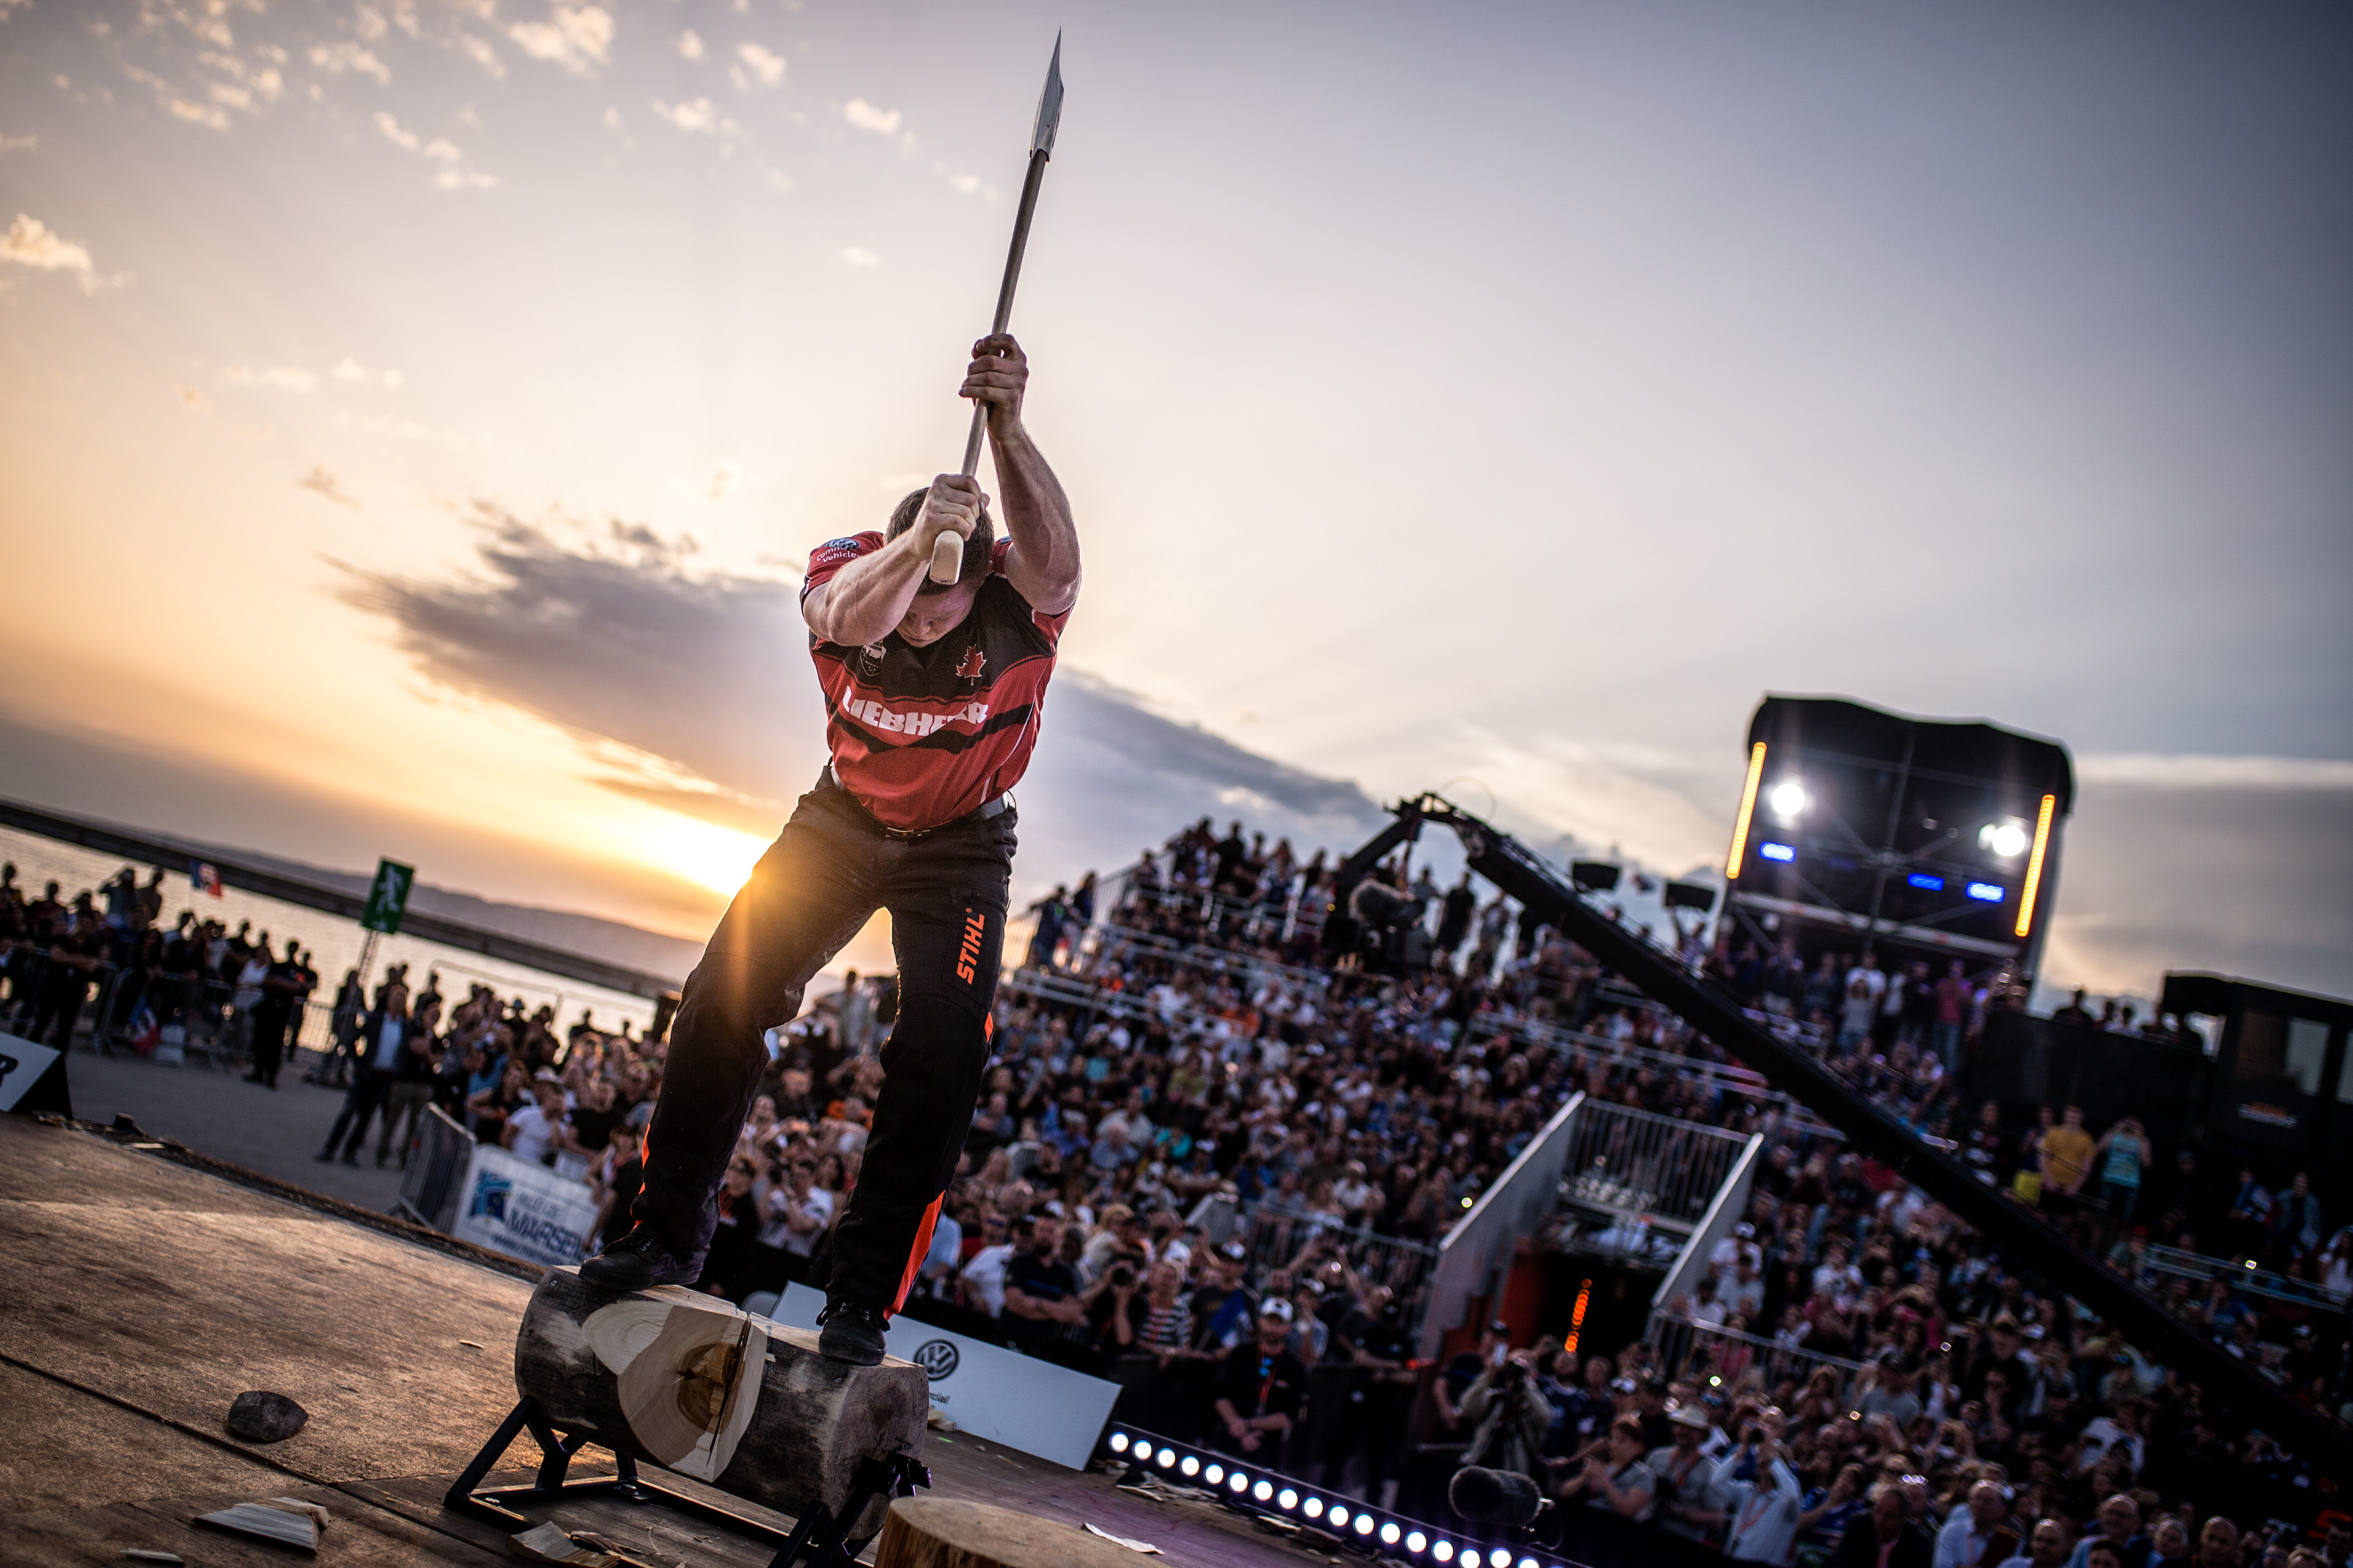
(717,858)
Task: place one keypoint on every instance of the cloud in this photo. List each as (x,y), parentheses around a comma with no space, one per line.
(866,117)
(2215,773)
(858,255)
(451,176)
(690,45)
(337,58)
(193,401)
(211,115)
(609,634)
(699,116)
(481,52)
(725,477)
(353,370)
(18,143)
(29,242)
(578,37)
(281,378)
(768,68)
(321,482)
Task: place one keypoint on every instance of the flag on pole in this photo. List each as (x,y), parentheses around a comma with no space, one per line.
(204,878)
(146,1029)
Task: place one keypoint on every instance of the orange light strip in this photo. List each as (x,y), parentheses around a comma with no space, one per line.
(2034,863)
(1747,808)
(1577,1318)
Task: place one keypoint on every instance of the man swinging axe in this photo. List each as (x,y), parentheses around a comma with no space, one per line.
(934,692)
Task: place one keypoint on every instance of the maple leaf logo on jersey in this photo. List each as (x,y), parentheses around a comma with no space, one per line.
(971,663)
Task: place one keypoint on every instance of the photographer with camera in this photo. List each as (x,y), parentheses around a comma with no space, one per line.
(1757,1488)
(1685,1503)
(1508,1417)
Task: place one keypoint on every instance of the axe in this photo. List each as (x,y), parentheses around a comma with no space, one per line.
(947,550)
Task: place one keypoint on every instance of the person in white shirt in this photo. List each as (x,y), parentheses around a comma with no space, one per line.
(1962,1544)
(1760,1513)
(795,1213)
(538,1128)
(983,1280)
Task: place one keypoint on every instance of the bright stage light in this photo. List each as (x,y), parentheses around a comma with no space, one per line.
(1747,806)
(1166,1459)
(1443,1551)
(1415,1541)
(1190,1465)
(1781,852)
(1389,1533)
(1263,1491)
(1364,1524)
(1237,1482)
(1338,1517)
(1314,1508)
(1286,1500)
(1214,1474)
(1501,1557)
(1786,800)
(1119,1442)
(1926,883)
(1985,893)
(2005,840)
(1529,1562)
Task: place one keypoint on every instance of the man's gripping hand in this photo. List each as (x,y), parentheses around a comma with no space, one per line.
(998,377)
(952,506)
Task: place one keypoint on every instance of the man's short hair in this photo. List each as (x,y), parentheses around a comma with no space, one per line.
(976,549)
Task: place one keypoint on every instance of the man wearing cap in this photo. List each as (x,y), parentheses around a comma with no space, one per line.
(1260,1387)
(932,702)
(1686,1503)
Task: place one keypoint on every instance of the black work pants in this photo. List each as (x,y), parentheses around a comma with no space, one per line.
(818,885)
(360,1102)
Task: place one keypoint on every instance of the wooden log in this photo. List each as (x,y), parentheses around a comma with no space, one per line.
(947,1532)
(696,1385)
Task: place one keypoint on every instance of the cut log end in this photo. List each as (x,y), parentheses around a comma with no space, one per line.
(693,1383)
(947,1532)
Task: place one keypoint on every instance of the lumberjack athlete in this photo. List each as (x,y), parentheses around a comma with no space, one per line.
(933,701)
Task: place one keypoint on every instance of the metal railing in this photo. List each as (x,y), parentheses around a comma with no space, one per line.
(1277,1239)
(1700,1351)
(431,1187)
(1637,1163)
(110,1007)
(2198,1266)
(1482,1243)
(1724,1215)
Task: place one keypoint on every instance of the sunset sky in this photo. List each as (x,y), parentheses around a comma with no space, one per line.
(413,418)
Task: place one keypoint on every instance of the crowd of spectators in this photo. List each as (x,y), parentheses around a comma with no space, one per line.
(1857,1375)
(193,979)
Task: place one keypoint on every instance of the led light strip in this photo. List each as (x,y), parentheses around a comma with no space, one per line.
(2034,863)
(1747,808)
(1242,1485)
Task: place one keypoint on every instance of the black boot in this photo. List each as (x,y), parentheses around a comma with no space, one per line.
(639,1261)
(852,1331)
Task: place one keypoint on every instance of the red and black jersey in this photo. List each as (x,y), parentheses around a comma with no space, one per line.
(922,735)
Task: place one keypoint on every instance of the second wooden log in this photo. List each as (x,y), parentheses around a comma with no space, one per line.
(948,1532)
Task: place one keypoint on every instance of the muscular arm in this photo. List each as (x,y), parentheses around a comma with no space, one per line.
(1043,564)
(868,597)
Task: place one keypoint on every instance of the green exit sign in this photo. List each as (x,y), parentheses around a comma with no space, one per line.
(387,899)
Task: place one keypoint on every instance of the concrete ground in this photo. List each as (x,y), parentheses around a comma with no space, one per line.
(144,1296)
(215,1111)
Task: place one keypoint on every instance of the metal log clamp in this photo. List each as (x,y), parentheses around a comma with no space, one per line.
(818,1538)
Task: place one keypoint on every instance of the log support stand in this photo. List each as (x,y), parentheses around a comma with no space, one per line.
(818,1538)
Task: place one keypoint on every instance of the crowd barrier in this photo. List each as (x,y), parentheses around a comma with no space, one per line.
(1682,1347)
(114,1007)
(433,1182)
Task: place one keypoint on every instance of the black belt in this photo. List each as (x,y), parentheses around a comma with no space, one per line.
(993,806)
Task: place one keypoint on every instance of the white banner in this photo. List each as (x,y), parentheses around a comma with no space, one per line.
(987,1390)
(523,1209)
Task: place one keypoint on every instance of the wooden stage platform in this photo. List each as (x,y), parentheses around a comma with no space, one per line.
(141,1296)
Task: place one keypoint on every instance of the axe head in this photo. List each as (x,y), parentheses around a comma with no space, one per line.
(1050,105)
